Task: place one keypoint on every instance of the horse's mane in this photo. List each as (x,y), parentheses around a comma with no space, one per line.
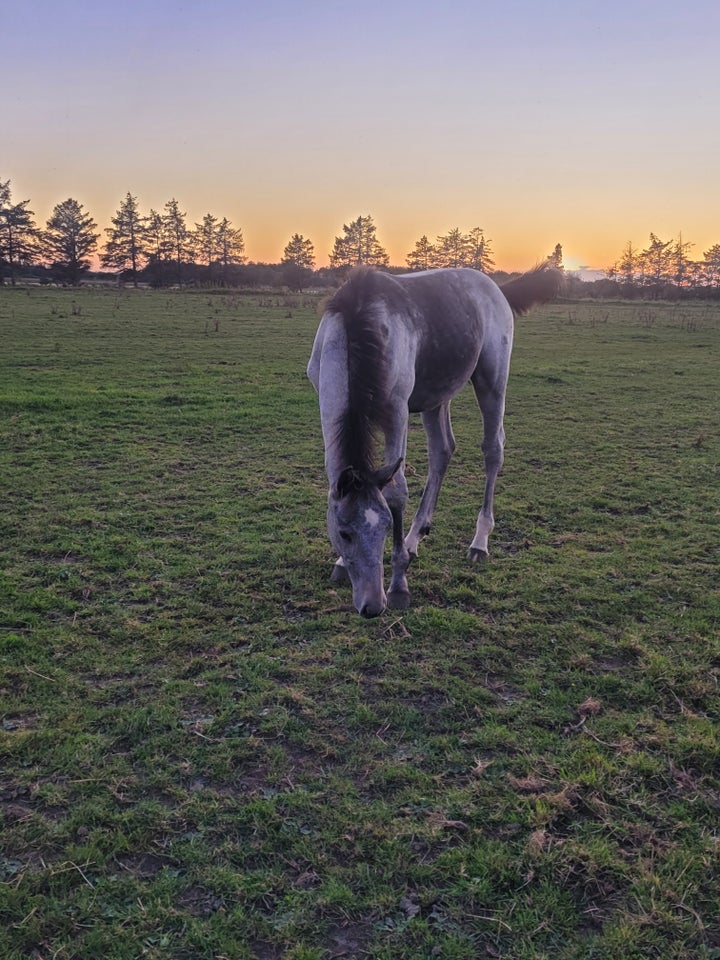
(360,303)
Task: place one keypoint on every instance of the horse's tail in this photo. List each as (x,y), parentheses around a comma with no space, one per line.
(533,288)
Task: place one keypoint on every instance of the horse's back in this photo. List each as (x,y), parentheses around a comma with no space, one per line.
(461,320)
(456,298)
(436,326)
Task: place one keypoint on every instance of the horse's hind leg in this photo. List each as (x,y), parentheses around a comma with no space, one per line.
(440,444)
(491,401)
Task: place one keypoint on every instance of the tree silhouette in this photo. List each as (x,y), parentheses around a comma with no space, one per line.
(451,249)
(297,262)
(682,265)
(127,243)
(359,245)
(627,266)
(556,257)
(423,256)
(458,249)
(18,233)
(177,240)
(155,235)
(231,246)
(479,251)
(656,261)
(206,242)
(69,239)
(299,251)
(711,265)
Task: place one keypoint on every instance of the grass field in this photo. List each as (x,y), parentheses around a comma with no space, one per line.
(205,753)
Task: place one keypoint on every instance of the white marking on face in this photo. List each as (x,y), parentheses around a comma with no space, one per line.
(372,517)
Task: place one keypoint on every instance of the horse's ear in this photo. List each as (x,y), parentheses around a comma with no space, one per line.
(385,474)
(345,483)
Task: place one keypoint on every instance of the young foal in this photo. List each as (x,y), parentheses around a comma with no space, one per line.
(387,345)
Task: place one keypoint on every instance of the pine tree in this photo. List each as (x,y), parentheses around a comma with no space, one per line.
(452,249)
(479,251)
(656,261)
(231,246)
(423,256)
(711,265)
(127,245)
(69,239)
(155,236)
(627,266)
(206,240)
(299,251)
(359,245)
(682,265)
(297,262)
(556,257)
(177,240)
(18,233)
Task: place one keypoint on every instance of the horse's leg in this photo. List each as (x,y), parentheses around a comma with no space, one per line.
(441,445)
(398,595)
(339,572)
(491,401)
(395,494)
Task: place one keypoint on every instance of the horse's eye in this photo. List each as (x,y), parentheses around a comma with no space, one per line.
(347,537)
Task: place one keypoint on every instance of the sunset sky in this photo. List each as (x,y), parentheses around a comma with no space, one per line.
(584,123)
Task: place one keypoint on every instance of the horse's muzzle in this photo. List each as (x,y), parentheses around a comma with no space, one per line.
(371,610)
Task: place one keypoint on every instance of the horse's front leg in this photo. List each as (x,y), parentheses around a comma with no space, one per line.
(395,493)
(339,572)
(398,592)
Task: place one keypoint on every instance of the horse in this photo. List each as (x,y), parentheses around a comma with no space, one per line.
(387,346)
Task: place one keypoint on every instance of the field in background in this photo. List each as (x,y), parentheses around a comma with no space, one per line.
(204,752)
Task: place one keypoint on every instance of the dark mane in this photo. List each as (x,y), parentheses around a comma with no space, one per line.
(360,303)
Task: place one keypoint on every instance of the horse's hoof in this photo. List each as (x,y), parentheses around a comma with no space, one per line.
(398,600)
(477,556)
(339,574)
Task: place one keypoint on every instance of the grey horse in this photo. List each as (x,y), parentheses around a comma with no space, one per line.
(389,345)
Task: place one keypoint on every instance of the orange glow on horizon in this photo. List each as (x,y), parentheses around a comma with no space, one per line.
(517,241)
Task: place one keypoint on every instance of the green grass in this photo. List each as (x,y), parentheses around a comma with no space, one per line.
(205,753)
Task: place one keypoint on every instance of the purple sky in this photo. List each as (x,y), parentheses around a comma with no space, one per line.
(588,124)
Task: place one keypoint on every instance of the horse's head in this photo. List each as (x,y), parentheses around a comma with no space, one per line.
(359,520)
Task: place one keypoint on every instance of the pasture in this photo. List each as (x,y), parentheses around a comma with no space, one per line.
(206,753)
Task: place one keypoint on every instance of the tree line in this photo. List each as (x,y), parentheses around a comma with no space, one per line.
(162,249)
(666,262)
(159,248)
